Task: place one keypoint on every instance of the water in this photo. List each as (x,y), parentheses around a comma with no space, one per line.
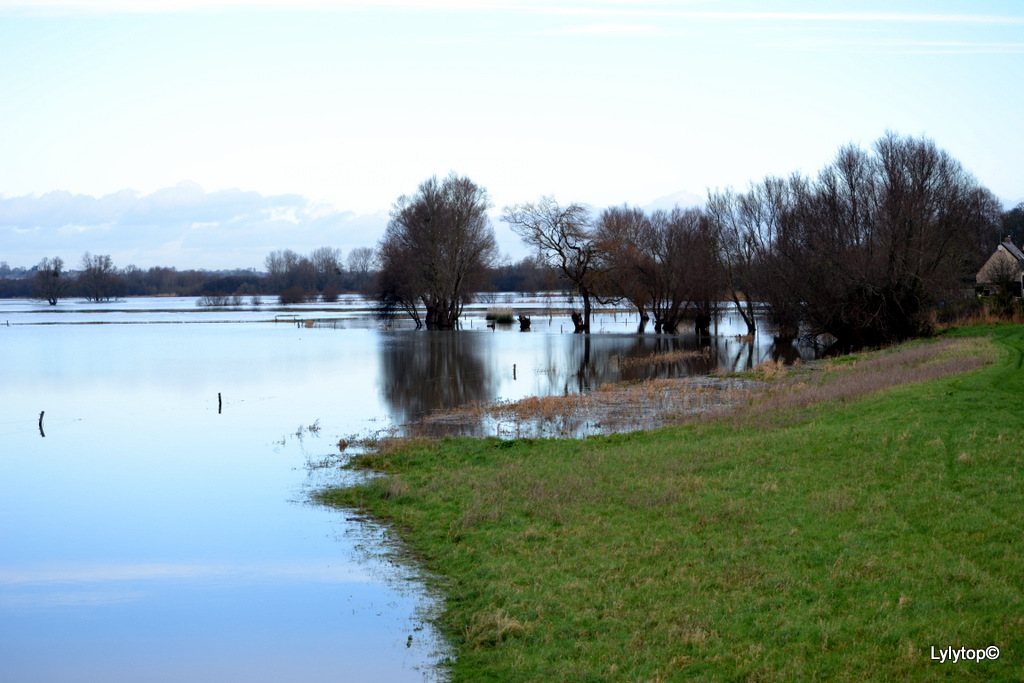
(150,531)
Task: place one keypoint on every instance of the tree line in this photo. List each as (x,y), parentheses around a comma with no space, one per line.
(289,276)
(864,251)
(97,278)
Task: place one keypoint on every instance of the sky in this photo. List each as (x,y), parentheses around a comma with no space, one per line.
(205,134)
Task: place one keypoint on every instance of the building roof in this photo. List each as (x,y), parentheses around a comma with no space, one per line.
(1014,251)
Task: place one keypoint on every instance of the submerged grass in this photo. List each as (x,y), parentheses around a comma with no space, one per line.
(837,529)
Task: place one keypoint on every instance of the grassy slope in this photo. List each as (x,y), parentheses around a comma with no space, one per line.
(840,545)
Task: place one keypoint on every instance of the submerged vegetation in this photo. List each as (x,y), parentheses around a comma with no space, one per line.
(848,517)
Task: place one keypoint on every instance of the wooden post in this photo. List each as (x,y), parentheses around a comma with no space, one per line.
(220,404)
(41,432)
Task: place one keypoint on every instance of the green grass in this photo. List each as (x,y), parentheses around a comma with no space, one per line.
(841,541)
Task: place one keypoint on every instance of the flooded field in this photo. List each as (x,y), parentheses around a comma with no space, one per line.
(157,458)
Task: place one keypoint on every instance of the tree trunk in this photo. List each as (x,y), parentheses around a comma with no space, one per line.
(586,309)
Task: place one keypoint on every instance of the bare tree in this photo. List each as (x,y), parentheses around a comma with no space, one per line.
(435,251)
(99,280)
(753,251)
(1013,224)
(623,238)
(50,283)
(360,265)
(279,264)
(879,238)
(287,270)
(563,238)
(329,267)
(682,274)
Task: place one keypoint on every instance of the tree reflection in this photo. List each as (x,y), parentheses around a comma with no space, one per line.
(425,372)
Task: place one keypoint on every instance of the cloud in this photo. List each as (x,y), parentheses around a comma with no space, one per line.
(182,226)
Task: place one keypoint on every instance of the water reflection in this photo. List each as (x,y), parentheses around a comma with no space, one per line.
(426,371)
(422,373)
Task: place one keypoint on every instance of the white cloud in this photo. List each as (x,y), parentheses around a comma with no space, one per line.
(196,229)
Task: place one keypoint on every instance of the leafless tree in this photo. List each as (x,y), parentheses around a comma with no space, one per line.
(1012,225)
(287,270)
(329,268)
(747,225)
(564,240)
(435,251)
(50,283)
(360,265)
(879,238)
(279,265)
(683,281)
(98,280)
(622,237)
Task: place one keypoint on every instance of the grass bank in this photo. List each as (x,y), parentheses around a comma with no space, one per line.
(838,537)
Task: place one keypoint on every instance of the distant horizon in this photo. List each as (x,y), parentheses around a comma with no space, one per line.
(267,217)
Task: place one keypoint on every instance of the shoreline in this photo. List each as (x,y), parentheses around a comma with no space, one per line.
(772,542)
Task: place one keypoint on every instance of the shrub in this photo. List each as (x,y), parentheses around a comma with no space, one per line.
(331,294)
(503,315)
(292,295)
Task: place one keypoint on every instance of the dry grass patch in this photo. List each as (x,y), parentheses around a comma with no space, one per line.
(662,358)
(858,376)
(491,628)
(619,407)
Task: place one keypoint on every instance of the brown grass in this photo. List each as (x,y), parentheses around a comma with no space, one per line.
(856,377)
(984,317)
(492,628)
(616,407)
(663,358)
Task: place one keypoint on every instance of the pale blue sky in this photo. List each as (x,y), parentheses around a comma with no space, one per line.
(323,115)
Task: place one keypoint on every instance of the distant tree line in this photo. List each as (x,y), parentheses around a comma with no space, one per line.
(298,278)
(98,279)
(323,274)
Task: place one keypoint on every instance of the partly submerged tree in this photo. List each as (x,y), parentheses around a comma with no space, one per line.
(435,251)
(564,240)
(99,280)
(50,283)
(623,236)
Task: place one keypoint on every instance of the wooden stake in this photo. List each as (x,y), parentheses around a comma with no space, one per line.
(41,432)
(220,404)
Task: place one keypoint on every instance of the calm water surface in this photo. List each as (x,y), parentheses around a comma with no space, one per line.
(147,535)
